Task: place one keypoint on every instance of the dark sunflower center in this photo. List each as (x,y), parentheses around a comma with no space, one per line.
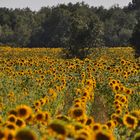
(130,120)
(22,111)
(78,112)
(101,136)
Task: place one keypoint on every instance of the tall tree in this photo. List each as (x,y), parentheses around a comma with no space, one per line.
(135,40)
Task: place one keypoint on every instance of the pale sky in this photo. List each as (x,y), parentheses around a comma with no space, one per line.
(37,4)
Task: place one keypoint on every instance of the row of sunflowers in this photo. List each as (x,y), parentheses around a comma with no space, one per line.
(45,97)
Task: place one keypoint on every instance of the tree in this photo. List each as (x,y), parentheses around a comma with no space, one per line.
(86,32)
(6,35)
(135,40)
(56,28)
(119,28)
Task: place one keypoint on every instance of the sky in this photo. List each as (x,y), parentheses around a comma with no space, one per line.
(37,4)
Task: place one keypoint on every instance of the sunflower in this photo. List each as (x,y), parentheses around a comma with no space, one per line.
(77,105)
(47,117)
(24,111)
(96,127)
(39,116)
(116,87)
(24,134)
(104,127)
(128,91)
(58,127)
(111,124)
(81,137)
(12,111)
(20,123)
(114,116)
(77,112)
(37,104)
(11,118)
(11,126)
(119,111)
(130,121)
(90,121)
(102,135)
(9,135)
(78,91)
(42,101)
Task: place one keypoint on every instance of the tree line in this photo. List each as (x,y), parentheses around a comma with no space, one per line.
(71,26)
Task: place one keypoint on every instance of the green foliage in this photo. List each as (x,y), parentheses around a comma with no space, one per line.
(135,40)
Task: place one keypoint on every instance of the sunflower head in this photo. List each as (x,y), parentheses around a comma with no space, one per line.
(130,121)
(24,134)
(11,118)
(58,127)
(24,111)
(103,135)
(96,127)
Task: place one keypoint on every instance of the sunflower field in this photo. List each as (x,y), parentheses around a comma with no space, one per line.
(46,97)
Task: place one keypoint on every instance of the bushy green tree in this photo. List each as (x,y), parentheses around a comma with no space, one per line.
(135,40)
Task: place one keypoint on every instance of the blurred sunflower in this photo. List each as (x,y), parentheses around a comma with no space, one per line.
(102,135)
(24,134)
(11,118)
(96,127)
(12,111)
(11,126)
(20,123)
(58,127)
(24,111)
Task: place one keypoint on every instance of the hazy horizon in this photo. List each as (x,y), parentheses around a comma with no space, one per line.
(37,4)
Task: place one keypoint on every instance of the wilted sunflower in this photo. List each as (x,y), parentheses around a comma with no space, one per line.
(24,134)
(130,121)
(24,111)
(58,127)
